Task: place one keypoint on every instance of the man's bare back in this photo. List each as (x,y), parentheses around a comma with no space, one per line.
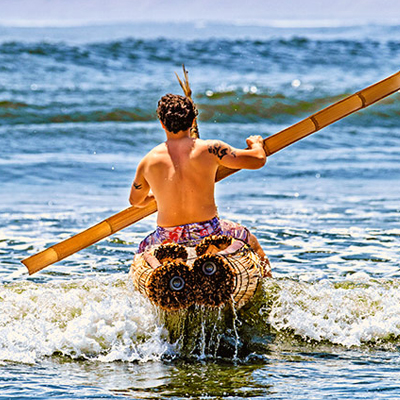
(181,175)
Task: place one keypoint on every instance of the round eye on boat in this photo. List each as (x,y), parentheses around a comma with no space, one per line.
(176,283)
(209,268)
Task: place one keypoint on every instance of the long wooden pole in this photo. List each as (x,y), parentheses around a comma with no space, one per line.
(272,144)
(325,117)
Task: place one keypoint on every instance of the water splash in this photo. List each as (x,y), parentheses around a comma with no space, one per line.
(105,319)
(96,319)
(355,312)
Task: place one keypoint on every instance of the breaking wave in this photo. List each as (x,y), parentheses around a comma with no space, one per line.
(105,319)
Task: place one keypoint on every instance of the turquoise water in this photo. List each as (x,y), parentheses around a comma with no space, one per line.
(76,116)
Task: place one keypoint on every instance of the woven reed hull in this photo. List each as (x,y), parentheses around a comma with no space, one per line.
(236,279)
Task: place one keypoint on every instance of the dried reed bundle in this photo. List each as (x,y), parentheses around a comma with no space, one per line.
(170,286)
(213,244)
(213,280)
(170,252)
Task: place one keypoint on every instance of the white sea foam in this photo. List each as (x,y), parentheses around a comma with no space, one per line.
(104,319)
(99,319)
(351,313)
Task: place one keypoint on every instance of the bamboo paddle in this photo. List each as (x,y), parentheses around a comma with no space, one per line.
(272,144)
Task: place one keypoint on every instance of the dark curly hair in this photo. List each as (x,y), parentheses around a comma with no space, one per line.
(176,112)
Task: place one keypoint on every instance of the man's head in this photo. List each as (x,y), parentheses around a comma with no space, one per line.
(176,112)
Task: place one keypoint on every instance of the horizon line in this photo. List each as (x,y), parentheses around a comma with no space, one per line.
(203,23)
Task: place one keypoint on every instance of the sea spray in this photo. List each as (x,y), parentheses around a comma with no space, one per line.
(105,319)
(355,312)
(101,319)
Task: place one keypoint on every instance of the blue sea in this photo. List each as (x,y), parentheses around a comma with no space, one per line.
(77,113)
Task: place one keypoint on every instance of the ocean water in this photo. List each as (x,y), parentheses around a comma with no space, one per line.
(77,113)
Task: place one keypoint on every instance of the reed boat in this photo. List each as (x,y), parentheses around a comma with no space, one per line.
(217,271)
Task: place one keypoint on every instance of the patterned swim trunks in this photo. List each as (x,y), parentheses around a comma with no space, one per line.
(192,233)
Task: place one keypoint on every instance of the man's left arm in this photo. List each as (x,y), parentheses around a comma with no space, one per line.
(253,157)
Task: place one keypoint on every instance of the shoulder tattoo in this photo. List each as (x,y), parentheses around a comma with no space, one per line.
(137,185)
(220,150)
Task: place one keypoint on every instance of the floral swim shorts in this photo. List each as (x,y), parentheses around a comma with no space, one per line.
(192,233)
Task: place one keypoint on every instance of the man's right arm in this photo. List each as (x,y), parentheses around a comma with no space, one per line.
(140,195)
(253,157)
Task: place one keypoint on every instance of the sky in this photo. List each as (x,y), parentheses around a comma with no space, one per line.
(83,11)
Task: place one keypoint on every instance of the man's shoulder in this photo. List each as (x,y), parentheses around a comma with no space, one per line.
(204,146)
(153,154)
(213,142)
(207,143)
(161,148)
(214,145)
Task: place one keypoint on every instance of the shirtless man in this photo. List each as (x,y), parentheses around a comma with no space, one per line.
(180,175)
